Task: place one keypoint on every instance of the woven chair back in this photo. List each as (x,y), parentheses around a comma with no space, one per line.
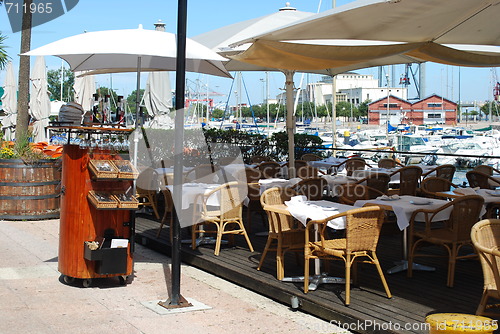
(270,169)
(485,237)
(313,188)
(277,222)
(409,179)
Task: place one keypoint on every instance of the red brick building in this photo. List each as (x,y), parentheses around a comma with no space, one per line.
(430,110)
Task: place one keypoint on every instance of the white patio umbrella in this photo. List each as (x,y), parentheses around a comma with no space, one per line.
(84,88)
(9,102)
(158,99)
(39,100)
(130,50)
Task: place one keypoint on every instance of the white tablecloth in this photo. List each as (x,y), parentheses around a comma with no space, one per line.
(328,163)
(367,172)
(304,210)
(190,192)
(404,206)
(336,181)
(280,183)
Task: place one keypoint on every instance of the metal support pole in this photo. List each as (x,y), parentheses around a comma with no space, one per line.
(180,80)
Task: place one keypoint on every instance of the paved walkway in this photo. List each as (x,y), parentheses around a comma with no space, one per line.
(33,298)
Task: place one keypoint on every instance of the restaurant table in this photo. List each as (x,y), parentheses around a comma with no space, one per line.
(277,182)
(328,163)
(335,182)
(403,207)
(303,211)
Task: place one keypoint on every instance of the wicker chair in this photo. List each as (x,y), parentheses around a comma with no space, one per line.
(481,180)
(488,170)
(485,237)
(388,163)
(409,179)
(363,227)
(351,192)
(353,164)
(306,172)
(168,216)
(259,158)
(311,157)
(444,171)
(313,188)
(431,185)
(203,173)
(284,232)
(452,235)
(227,219)
(379,181)
(253,175)
(270,169)
(147,184)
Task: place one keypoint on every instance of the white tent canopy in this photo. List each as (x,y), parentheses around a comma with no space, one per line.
(39,100)
(9,102)
(85,89)
(158,99)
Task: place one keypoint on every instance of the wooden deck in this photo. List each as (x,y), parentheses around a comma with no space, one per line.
(413,298)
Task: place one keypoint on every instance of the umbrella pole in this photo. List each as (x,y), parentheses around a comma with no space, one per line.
(290,123)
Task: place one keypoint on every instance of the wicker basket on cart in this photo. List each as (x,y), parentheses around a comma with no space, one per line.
(125,169)
(126,201)
(102,200)
(103,169)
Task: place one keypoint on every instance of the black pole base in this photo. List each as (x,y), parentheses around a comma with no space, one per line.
(182,303)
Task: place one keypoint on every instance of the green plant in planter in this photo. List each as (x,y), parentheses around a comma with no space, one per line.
(21,149)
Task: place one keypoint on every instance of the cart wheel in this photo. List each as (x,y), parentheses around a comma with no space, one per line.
(87,282)
(123,280)
(68,279)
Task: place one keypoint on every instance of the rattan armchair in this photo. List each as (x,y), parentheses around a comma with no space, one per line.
(306,172)
(481,180)
(351,192)
(488,170)
(452,234)
(443,171)
(147,185)
(313,188)
(379,181)
(257,159)
(227,218)
(409,179)
(311,157)
(388,163)
(431,185)
(204,173)
(363,227)
(270,169)
(285,234)
(353,164)
(485,237)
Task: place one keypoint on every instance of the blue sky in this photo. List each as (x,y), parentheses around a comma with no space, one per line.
(203,16)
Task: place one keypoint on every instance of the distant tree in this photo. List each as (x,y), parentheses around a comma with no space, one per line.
(131,100)
(54,83)
(4,57)
(103,92)
(363,108)
(485,108)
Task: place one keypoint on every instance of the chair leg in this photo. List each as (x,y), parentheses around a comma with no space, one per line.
(348,279)
(452,261)
(306,274)
(153,205)
(482,305)
(246,236)
(280,270)
(218,241)
(381,274)
(264,253)
(193,236)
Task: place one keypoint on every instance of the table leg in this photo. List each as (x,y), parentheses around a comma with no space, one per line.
(403,264)
(316,280)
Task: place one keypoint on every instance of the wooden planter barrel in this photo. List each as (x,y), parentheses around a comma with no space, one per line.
(29,192)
